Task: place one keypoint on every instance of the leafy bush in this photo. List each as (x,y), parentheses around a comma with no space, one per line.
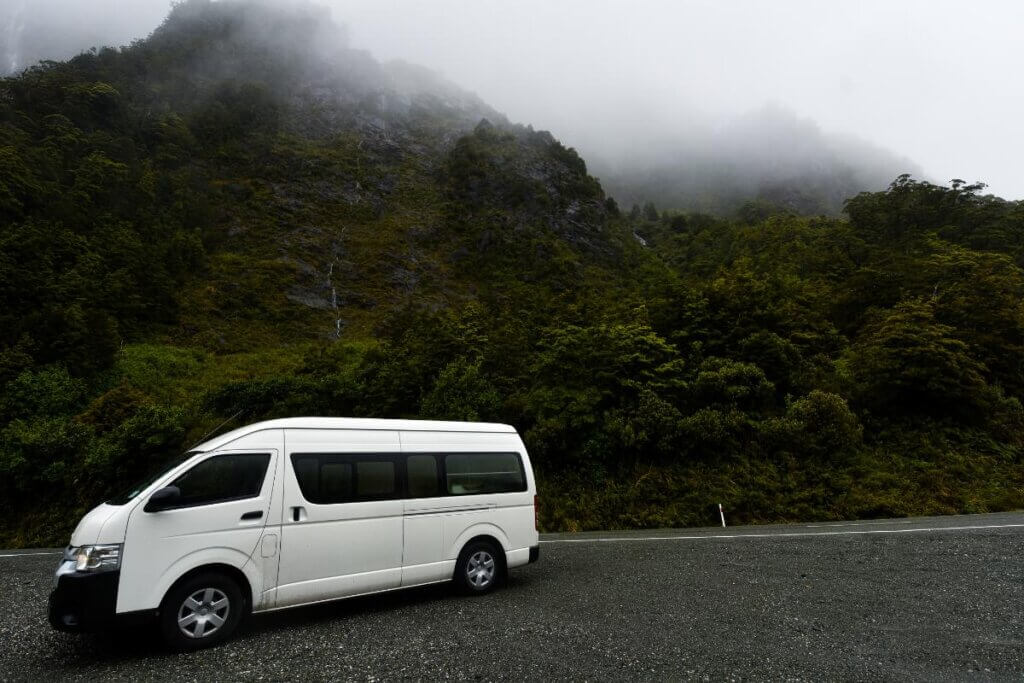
(461,392)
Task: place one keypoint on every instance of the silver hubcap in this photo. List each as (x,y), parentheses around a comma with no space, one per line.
(480,570)
(203,613)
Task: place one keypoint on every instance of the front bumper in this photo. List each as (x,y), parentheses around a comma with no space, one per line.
(84,602)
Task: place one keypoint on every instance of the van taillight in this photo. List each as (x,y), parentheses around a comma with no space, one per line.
(536,515)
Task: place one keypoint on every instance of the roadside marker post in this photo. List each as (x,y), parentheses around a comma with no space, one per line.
(721,514)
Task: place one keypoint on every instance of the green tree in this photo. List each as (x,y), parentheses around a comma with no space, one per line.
(461,392)
(905,362)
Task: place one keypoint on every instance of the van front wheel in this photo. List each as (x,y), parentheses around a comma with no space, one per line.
(479,568)
(201,611)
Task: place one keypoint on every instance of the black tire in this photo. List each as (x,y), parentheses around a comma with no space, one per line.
(200,603)
(480,567)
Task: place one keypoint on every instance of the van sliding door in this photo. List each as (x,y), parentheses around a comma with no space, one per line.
(342,524)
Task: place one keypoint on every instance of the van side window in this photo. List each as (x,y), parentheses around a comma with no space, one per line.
(471,473)
(375,479)
(327,479)
(422,473)
(223,478)
(336,480)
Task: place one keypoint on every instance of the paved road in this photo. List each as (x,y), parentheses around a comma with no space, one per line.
(925,599)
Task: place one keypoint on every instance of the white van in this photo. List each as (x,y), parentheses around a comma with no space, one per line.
(297,511)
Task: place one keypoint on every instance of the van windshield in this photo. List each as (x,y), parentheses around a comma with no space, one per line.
(128,494)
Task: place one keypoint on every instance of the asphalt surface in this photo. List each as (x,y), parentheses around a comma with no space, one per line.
(924,599)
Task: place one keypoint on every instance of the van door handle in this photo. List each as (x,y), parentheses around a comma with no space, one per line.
(298,513)
(255,514)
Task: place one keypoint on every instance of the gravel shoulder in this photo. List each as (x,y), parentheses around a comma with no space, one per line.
(935,601)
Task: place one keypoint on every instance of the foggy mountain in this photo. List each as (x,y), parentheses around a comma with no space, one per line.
(348,186)
(769,154)
(305,64)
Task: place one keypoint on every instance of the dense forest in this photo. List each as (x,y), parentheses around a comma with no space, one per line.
(241,218)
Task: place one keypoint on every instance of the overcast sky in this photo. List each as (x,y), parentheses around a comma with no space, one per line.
(936,81)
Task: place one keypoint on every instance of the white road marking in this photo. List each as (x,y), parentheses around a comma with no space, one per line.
(30,554)
(832,524)
(634,539)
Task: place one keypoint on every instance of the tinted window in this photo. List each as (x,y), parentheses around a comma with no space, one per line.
(375,479)
(222,478)
(470,473)
(327,479)
(336,480)
(422,472)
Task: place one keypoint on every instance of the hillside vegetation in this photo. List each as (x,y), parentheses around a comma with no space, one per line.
(241,218)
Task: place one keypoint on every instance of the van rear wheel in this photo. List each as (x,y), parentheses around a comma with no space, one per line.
(201,611)
(479,568)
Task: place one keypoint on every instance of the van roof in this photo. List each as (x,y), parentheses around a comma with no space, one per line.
(352,423)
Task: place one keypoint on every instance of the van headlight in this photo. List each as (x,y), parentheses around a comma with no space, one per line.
(95,558)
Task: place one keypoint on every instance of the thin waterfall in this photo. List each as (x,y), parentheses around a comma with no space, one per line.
(334,300)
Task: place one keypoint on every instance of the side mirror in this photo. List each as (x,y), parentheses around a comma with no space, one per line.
(162,499)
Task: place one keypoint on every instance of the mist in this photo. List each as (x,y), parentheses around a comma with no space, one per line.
(921,87)
(34,30)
